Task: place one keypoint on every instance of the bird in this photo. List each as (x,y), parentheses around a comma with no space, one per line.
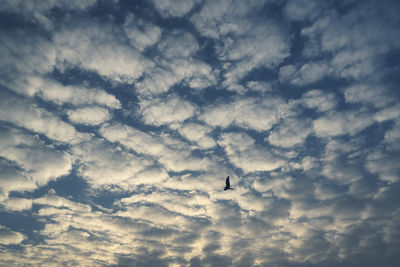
(227,184)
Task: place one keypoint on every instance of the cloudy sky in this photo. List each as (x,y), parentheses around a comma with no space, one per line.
(119,121)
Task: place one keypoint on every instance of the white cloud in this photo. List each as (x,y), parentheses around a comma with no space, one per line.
(370,29)
(371,94)
(166,111)
(172,153)
(244,153)
(141,34)
(23,57)
(8,237)
(17,204)
(341,161)
(388,113)
(188,205)
(385,165)
(198,133)
(101,49)
(244,45)
(340,123)
(306,74)
(40,162)
(151,175)
(392,137)
(178,44)
(89,115)
(38,10)
(262,46)
(219,17)
(319,100)
(174,8)
(291,132)
(356,40)
(278,185)
(102,164)
(12,179)
(250,113)
(259,86)
(351,64)
(176,64)
(52,200)
(76,95)
(24,114)
(20,6)
(141,142)
(302,10)
(342,173)
(157,82)
(194,73)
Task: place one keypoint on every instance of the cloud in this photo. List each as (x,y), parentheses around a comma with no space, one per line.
(306,74)
(174,8)
(356,40)
(22,113)
(191,205)
(387,113)
(217,18)
(52,200)
(44,6)
(118,128)
(12,179)
(302,10)
(39,10)
(95,158)
(251,113)
(89,115)
(172,153)
(177,64)
(178,44)
(259,86)
(392,136)
(245,154)
(289,133)
(112,58)
(342,161)
(17,204)
(340,123)
(24,57)
(368,94)
(141,34)
(245,46)
(38,161)
(190,72)
(76,95)
(166,111)
(384,164)
(319,100)
(8,237)
(261,47)
(199,134)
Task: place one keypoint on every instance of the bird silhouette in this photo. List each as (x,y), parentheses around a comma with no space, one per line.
(227,184)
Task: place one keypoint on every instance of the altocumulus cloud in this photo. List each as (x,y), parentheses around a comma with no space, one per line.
(120,120)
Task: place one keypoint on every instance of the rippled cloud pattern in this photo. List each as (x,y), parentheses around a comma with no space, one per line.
(120,120)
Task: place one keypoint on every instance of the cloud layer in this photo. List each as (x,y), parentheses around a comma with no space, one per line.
(119,123)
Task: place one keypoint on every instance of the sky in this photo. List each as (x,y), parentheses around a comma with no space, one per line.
(120,120)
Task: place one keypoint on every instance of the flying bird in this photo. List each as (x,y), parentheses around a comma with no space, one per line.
(227,184)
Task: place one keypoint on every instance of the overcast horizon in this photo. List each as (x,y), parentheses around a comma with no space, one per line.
(120,120)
